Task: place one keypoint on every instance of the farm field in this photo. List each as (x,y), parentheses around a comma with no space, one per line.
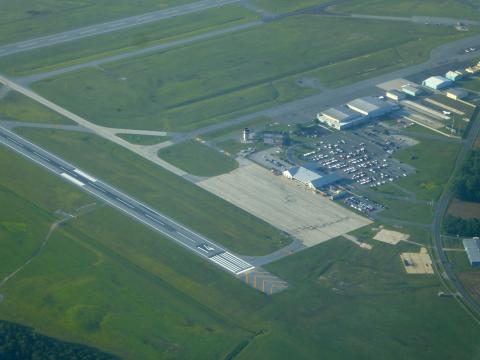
(147,303)
(221,83)
(80,51)
(464,210)
(170,194)
(440,8)
(26,19)
(198,159)
(17,107)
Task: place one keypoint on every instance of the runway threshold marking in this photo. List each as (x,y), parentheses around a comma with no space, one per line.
(232,263)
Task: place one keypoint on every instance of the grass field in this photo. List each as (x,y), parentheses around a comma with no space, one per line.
(143,139)
(177,198)
(387,312)
(27,19)
(234,146)
(434,162)
(107,281)
(440,8)
(231,75)
(284,6)
(472,83)
(80,51)
(198,159)
(406,211)
(17,107)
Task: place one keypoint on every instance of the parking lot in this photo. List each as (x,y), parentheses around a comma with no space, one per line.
(364,156)
(363,204)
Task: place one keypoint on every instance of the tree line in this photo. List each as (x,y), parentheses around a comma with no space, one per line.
(19,342)
(467,182)
(462,227)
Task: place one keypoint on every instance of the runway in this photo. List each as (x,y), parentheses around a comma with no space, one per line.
(194,242)
(111,26)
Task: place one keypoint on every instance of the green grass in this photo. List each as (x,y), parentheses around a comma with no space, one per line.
(440,8)
(198,159)
(27,19)
(231,75)
(80,51)
(389,189)
(471,83)
(170,194)
(284,6)
(143,139)
(17,107)
(109,282)
(389,314)
(434,161)
(233,147)
(106,280)
(406,211)
(380,62)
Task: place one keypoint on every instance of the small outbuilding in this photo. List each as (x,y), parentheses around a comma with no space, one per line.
(457,94)
(276,138)
(455,75)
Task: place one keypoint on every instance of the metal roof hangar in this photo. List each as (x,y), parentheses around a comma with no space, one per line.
(437,82)
(340,117)
(371,106)
(472,247)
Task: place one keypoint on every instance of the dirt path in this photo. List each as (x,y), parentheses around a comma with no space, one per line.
(66,217)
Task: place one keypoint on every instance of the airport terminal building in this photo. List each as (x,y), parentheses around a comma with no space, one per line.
(311,178)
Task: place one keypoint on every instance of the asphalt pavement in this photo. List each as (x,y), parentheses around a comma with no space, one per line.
(171,229)
(111,26)
(440,211)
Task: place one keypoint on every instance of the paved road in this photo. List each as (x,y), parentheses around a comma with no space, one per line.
(196,243)
(427,20)
(440,211)
(111,26)
(134,53)
(104,132)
